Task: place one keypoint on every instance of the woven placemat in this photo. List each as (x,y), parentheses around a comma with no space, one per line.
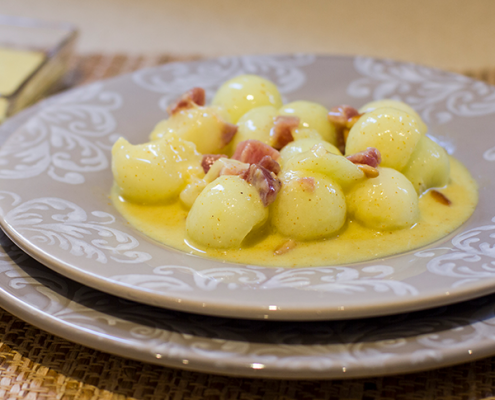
(37,365)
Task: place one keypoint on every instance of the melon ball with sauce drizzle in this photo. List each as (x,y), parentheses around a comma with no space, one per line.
(428,166)
(313,116)
(393,132)
(156,171)
(309,206)
(386,202)
(399,105)
(225,212)
(245,92)
(204,126)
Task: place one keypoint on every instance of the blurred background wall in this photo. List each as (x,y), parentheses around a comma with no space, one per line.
(452,34)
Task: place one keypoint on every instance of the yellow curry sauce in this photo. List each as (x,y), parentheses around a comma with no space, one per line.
(353,243)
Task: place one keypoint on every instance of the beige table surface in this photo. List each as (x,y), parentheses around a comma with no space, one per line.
(450,34)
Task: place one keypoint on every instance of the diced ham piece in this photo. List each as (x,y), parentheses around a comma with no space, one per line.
(266,182)
(441,198)
(209,159)
(285,247)
(341,115)
(307,184)
(187,100)
(270,164)
(371,156)
(369,172)
(225,166)
(233,167)
(252,151)
(343,118)
(228,133)
(282,130)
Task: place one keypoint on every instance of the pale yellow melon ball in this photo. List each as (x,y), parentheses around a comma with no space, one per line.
(312,115)
(428,166)
(156,171)
(319,160)
(306,133)
(399,105)
(203,126)
(309,206)
(256,124)
(225,212)
(303,145)
(393,132)
(245,92)
(386,202)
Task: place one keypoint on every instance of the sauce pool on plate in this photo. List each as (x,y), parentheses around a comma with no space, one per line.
(251,180)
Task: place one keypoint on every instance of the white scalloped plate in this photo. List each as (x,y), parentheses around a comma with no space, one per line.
(55,180)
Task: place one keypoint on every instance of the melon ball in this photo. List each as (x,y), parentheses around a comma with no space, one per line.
(306,133)
(322,161)
(428,166)
(225,212)
(156,171)
(203,126)
(245,92)
(399,105)
(256,124)
(393,132)
(303,145)
(386,202)
(309,206)
(313,116)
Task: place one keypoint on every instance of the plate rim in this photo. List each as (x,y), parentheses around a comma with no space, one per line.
(76,334)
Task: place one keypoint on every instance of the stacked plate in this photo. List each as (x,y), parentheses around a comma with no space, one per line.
(101,283)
